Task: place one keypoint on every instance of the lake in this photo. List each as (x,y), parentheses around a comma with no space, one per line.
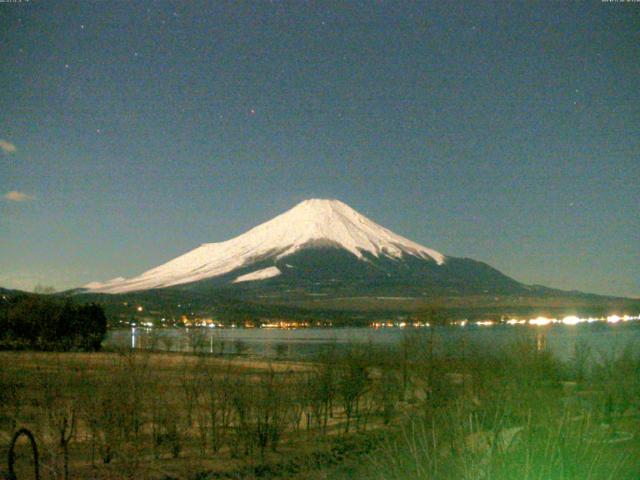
(602,338)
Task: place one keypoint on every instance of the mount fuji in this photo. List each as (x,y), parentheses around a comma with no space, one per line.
(323,248)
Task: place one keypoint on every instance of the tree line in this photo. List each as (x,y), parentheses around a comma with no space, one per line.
(43,323)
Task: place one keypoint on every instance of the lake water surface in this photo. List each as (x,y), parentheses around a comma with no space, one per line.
(602,338)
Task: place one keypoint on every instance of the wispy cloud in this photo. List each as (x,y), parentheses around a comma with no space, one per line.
(7,147)
(15,196)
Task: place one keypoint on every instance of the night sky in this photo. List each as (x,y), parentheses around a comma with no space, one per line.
(508,132)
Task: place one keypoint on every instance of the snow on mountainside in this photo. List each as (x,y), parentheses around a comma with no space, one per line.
(268,272)
(310,223)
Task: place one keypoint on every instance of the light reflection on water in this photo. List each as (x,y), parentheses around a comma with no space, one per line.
(603,338)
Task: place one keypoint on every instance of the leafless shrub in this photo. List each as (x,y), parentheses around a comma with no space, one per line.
(352,384)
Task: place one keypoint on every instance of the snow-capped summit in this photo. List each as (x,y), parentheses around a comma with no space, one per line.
(311,223)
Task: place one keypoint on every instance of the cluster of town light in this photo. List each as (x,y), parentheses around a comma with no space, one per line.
(390,324)
(568,320)
(574,320)
(538,321)
(285,324)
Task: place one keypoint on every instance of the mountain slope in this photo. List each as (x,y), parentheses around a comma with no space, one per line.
(323,256)
(313,224)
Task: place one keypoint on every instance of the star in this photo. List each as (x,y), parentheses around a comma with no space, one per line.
(253,111)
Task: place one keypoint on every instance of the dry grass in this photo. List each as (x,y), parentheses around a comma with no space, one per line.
(148,415)
(413,414)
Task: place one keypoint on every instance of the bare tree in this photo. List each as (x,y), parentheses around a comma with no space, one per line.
(352,383)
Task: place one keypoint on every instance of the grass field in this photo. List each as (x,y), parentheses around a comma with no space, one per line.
(364,413)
